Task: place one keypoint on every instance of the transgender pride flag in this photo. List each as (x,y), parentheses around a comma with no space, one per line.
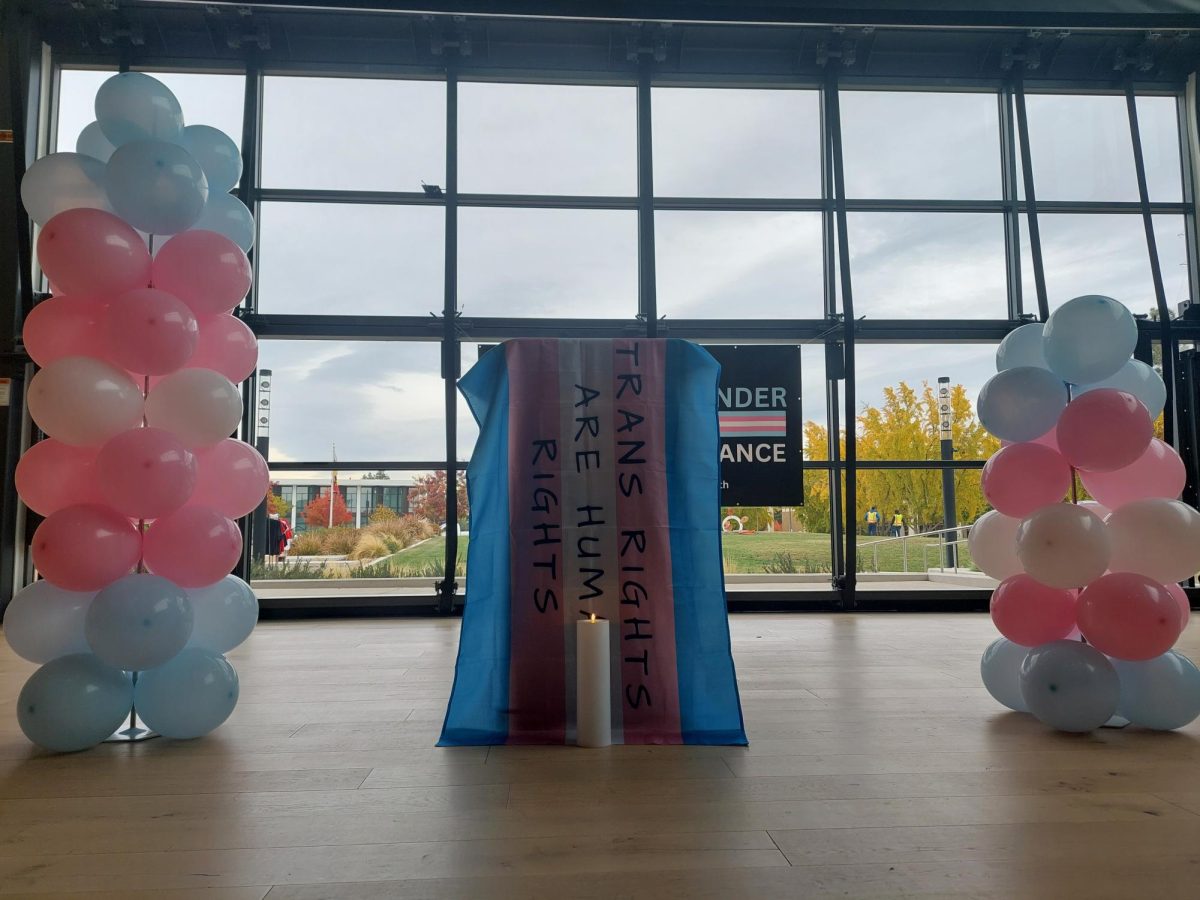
(594,488)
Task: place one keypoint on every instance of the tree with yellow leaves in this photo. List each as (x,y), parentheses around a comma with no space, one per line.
(904,427)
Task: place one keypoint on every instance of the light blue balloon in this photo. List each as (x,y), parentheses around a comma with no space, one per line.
(217,154)
(44,622)
(1139,379)
(1021,403)
(74,702)
(1000,668)
(133,106)
(92,142)
(1161,693)
(1069,685)
(63,181)
(139,622)
(1022,347)
(156,186)
(1088,339)
(225,614)
(189,696)
(227,215)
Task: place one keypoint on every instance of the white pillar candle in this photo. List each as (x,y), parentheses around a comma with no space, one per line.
(593,700)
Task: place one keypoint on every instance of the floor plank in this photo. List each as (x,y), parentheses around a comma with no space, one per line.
(878,767)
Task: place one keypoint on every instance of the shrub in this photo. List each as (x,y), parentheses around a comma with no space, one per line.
(405,529)
(306,543)
(382,514)
(370,546)
(338,541)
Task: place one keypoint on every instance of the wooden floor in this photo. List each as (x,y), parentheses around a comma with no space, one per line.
(878,768)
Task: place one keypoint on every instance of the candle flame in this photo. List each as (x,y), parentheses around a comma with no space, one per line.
(593,617)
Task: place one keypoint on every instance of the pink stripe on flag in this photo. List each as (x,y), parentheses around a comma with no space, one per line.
(536,687)
(646,627)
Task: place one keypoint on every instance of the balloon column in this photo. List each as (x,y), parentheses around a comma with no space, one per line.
(138,479)
(1088,600)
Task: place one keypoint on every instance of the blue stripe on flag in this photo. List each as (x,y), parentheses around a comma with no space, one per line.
(709,708)
(478,709)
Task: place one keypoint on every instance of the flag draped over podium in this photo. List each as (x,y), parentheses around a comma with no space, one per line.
(594,488)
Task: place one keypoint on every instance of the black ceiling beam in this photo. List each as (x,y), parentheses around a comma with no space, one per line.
(915,13)
(345,38)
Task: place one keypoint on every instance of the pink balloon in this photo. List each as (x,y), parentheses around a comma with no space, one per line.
(146,473)
(1023,477)
(150,332)
(1029,613)
(1049,439)
(227,346)
(1129,616)
(89,251)
(205,270)
(233,478)
(1158,472)
(85,548)
(1181,598)
(64,326)
(1104,430)
(193,547)
(53,475)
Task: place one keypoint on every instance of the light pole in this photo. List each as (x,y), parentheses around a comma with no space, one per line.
(949,507)
(262,443)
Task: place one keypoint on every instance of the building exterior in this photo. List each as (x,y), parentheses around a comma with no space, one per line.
(362,495)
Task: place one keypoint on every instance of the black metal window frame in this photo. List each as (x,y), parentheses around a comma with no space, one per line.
(838,330)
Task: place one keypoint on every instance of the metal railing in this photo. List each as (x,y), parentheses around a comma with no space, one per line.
(903,540)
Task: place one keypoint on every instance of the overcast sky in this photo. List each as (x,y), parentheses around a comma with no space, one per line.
(384,400)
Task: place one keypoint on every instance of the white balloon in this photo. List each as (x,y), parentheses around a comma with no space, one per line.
(44,622)
(1064,546)
(63,181)
(1022,347)
(1000,669)
(1137,378)
(92,142)
(993,545)
(1156,537)
(84,401)
(199,406)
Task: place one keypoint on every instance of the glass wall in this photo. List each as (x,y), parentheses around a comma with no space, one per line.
(541,211)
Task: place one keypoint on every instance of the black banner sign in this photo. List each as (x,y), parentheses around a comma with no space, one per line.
(762,463)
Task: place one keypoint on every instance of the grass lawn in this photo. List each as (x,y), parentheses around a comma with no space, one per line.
(777,552)
(809,552)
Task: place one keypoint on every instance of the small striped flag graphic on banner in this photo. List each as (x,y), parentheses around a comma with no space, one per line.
(752,423)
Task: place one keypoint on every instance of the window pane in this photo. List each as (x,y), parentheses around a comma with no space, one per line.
(372,399)
(736,143)
(547,262)
(216,100)
(738,265)
(361,259)
(353,133)
(928,265)
(547,139)
(812,394)
(897,388)
(1105,254)
(1082,150)
(910,145)
(915,495)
